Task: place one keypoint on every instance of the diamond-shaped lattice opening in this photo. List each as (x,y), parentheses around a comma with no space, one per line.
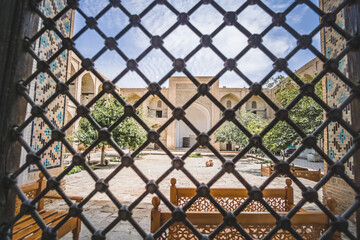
(48,85)
(113,22)
(181,41)
(303,19)
(205,63)
(131,43)
(230,5)
(232,79)
(108,62)
(313,110)
(97,43)
(203,166)
(102,212)
(91,9)
(271,140)
(181,7)
(44,41)
(135,187)
(280,46)
(206,25)
(252,68)
(177,225)
(279,6)
(300,58)
(250,20)
(135,7)
(159,20)
(130,80)
(86,130)
(155,65)
(230,41)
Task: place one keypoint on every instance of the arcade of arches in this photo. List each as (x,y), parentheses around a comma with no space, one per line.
(203,113)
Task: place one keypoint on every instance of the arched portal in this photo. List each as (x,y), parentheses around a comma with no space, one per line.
(132,98)
(72,86)
(199,116)
(228,104)
(229,100)
(87,88)
(254,104)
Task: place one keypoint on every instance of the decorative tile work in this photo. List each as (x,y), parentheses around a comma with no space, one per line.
(339,141)
(44,86)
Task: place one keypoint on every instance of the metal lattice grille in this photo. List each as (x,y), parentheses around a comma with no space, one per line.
(178,113)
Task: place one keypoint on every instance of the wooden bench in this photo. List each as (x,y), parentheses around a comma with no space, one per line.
(310,225)
(280,199)
(297,171)
(26,227)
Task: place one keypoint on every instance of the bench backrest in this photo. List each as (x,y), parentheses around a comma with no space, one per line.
(310,225)
(280,199)
(31,191)
(297,171)
(310,175)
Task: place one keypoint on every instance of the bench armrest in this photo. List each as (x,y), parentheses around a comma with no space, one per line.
(76,198)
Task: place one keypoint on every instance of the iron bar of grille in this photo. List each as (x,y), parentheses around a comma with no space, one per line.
(180,65)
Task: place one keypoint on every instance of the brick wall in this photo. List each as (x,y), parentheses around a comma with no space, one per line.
(337,140)
(43,87)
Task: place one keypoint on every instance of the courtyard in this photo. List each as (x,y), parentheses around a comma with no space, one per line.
(127,187)
(104,100)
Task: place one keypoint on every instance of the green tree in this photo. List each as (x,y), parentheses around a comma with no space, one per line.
(307,114)
(106,112)
(229,132)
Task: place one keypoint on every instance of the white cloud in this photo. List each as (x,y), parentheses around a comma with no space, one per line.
(229,41)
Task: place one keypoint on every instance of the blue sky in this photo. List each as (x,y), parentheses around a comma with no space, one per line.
(230,41)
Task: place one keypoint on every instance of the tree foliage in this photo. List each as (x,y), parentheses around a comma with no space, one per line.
(106,112)
(229,132)
(307,114)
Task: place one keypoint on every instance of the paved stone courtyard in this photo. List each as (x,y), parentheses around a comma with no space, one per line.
(127,186)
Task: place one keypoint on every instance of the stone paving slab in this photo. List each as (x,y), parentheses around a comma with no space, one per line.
(127,186)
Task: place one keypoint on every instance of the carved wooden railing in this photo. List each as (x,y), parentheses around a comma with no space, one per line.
(309,225)
(280,199)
